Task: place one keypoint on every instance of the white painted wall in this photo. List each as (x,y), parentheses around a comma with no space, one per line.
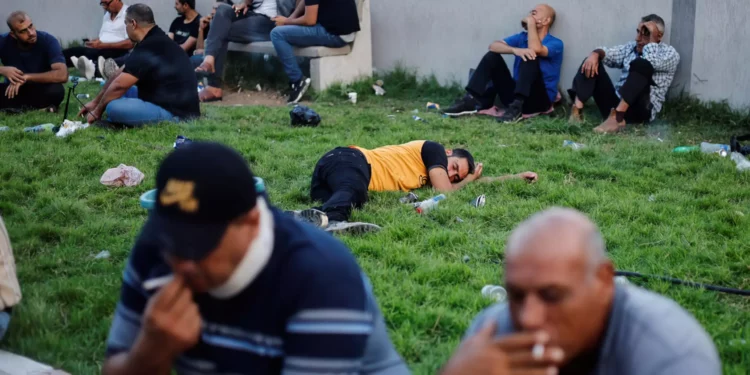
(722,52)
(448,37)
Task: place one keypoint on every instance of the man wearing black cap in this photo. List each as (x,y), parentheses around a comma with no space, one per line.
(249,291)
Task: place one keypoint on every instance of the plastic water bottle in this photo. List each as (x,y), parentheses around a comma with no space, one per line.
(742,163)
(573,145)
(427,205)
(495,292)
(39,128)
(711,148)
(82,96)
(682,149)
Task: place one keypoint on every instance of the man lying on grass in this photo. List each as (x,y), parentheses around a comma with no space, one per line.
(245,289)
(344,175)
(565,315)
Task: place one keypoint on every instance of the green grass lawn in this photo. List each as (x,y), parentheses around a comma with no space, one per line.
(696,226)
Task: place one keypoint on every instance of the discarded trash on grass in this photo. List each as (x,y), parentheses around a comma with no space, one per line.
(181,141)
(426,206)
(415,111)
(4,128)
(104,254)
(39,128)
(123,175)
(573,145)
(417,118)
(431,105)
(409,198)
(379,91)
(652,198)
(69,127)
(303,116)
(495,292)
(479,201)
(379,83)
(258,87)
(459,220)
(466,259)
(352,97)
(742,163)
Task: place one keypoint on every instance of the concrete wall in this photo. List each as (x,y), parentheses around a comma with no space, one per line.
(722,51)
(75,19)
(448,37)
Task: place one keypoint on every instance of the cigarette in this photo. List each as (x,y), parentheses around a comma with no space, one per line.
(159,282)
(537,351)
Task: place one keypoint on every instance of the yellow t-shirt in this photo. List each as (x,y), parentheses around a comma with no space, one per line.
(398,167)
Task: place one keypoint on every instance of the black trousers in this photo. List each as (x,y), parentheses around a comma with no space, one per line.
(636,91)
(33,96)
(93,54)
(340,180)
(529,84)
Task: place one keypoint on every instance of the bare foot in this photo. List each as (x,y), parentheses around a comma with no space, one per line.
(210,94)
(207,66)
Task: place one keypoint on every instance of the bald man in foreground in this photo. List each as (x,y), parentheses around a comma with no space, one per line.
(561,294)
(532,89)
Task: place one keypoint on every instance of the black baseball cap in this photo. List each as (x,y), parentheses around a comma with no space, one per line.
(200,189)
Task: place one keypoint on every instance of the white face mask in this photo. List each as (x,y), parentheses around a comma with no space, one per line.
(255,259)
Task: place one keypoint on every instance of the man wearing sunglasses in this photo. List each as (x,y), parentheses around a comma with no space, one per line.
(113,40)
(648,67)
(33,67)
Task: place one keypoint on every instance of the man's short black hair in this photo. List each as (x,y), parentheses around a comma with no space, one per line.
(140,13)
(464,154)
(655,19)
(190,3)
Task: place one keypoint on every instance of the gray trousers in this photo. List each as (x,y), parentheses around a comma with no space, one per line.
(227,27)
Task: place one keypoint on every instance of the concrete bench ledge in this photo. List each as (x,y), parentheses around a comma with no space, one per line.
(312,52)
(329,65)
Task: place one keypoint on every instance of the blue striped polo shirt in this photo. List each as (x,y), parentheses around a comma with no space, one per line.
(310,310)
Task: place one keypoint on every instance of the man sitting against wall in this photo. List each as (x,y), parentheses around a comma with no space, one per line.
(325,23)
(648,68)
(184,28)
(166,83)
(113,41)
(33,67)
(536,72)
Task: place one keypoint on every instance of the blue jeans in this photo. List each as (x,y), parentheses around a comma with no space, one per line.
(4,323)
(131,93)
(136,112)
(284,38)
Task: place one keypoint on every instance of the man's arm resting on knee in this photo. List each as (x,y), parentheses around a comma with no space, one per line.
(501,47)
(115,90)
(58,74)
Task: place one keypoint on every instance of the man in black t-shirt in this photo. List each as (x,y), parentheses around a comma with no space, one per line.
(326,23)
(166,82)
(343,177)
(184,29)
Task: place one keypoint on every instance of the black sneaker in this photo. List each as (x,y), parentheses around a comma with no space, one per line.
(513,113)
(315,217)
(462,107)
(345,227)
(298,89)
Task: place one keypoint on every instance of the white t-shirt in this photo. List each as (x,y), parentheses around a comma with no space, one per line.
(267,7)
(113,31)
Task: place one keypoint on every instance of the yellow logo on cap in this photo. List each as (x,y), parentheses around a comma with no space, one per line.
(180,192)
